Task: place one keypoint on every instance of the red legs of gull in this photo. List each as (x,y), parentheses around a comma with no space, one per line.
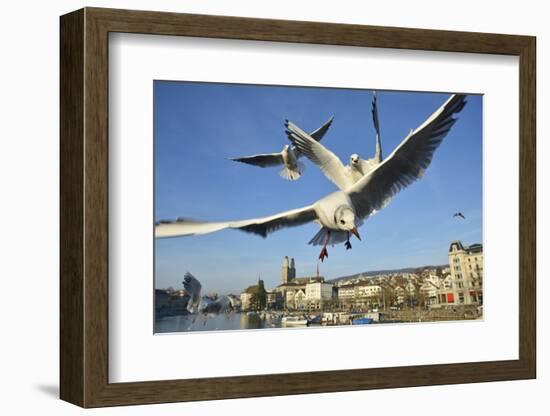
(324,252)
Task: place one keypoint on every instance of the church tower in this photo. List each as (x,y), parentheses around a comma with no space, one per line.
(288,270)
(285,271)
(292,271)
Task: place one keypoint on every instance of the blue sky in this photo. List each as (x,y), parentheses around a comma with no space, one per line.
(198,126)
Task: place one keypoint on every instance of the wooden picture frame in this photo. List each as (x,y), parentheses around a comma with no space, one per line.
(84,207)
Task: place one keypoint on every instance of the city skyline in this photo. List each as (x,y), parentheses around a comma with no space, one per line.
(198,126)
(299,274)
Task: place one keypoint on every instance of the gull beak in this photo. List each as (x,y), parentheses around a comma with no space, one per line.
(355,233)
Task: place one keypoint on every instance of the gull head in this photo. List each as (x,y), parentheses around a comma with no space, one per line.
(354,159)
(345,220)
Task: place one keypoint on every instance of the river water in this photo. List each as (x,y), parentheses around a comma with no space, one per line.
(212,322)
(230,321)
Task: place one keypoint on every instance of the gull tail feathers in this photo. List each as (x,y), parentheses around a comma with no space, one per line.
(335,237)
(292,174)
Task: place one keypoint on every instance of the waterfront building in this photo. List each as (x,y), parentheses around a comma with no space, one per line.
(367,290)
(447,282)
(274,299)
(293,294)
(346,294)
(464,286)
(245,300)
(293,290)
(410,288)
(299,299)
(359,295)
(318,293)
(429,290)
(400,295)
(367,294)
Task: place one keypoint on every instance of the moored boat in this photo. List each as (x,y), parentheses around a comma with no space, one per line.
(294,321)
(362,321)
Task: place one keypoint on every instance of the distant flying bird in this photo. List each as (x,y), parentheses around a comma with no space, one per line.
(288,157)
(340,213)
(459,214)
(342,176)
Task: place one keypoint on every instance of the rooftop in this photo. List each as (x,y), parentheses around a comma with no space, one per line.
(458,246)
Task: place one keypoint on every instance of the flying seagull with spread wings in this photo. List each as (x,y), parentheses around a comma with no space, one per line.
(342,176)
(288,157)
(203,304)
(459,215)
(340,213)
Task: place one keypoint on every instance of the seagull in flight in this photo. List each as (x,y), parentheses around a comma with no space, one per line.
(333,168)
(459,215)
(341,213)
(193,288)
(288,157)
(203,304)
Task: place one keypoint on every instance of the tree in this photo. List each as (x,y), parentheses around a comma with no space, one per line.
(388,296)
(420,298)
(255,302)
(258,299)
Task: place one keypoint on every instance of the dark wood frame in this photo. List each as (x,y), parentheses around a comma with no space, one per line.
(84,207)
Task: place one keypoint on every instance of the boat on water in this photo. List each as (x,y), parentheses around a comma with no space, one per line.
(294,321)
(362,321)
(314,319)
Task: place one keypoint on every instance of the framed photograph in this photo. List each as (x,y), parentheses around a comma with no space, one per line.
(255,207)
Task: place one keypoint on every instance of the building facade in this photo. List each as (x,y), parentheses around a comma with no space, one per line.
(294,291)
(465,284)
(245,300)
(274,299)
(346,295)
(318,293)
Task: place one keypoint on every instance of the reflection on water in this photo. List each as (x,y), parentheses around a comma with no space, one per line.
(212,322)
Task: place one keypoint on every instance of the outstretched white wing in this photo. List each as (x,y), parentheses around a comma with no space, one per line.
(261,226)
(376,122)
(327,161)
(408,161)
(265,160)
(262,160)
(321,131)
